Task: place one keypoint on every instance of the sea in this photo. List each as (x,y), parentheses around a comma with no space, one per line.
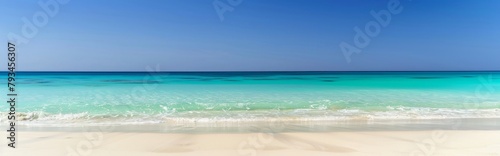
(222,99)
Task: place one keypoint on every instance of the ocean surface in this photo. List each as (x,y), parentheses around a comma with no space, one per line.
(221,98)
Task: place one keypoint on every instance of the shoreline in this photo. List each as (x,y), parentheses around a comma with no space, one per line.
(486,124)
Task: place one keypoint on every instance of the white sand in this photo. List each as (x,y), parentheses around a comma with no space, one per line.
(400,143)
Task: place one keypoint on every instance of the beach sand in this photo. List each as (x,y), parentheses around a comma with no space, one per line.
(400,143)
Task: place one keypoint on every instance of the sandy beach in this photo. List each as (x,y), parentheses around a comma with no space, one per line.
(410,143)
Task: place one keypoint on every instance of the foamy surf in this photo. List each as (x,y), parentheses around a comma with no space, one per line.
(243,117)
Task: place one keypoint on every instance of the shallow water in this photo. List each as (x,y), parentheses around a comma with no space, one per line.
(222,98)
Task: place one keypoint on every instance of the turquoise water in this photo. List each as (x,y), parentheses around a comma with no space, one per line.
(135,98)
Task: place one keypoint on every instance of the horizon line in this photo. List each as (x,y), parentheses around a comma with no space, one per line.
(213,71)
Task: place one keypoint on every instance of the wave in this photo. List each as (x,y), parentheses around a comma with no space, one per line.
(222,117)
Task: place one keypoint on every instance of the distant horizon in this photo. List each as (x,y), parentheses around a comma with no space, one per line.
(117,71)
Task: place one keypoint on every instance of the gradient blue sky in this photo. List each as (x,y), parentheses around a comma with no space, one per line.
(259,35)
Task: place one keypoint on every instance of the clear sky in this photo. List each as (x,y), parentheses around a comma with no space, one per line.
(257,35)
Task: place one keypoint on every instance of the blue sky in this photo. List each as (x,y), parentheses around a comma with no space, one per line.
(258,35)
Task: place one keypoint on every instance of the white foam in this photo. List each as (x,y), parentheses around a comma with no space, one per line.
(300,115)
